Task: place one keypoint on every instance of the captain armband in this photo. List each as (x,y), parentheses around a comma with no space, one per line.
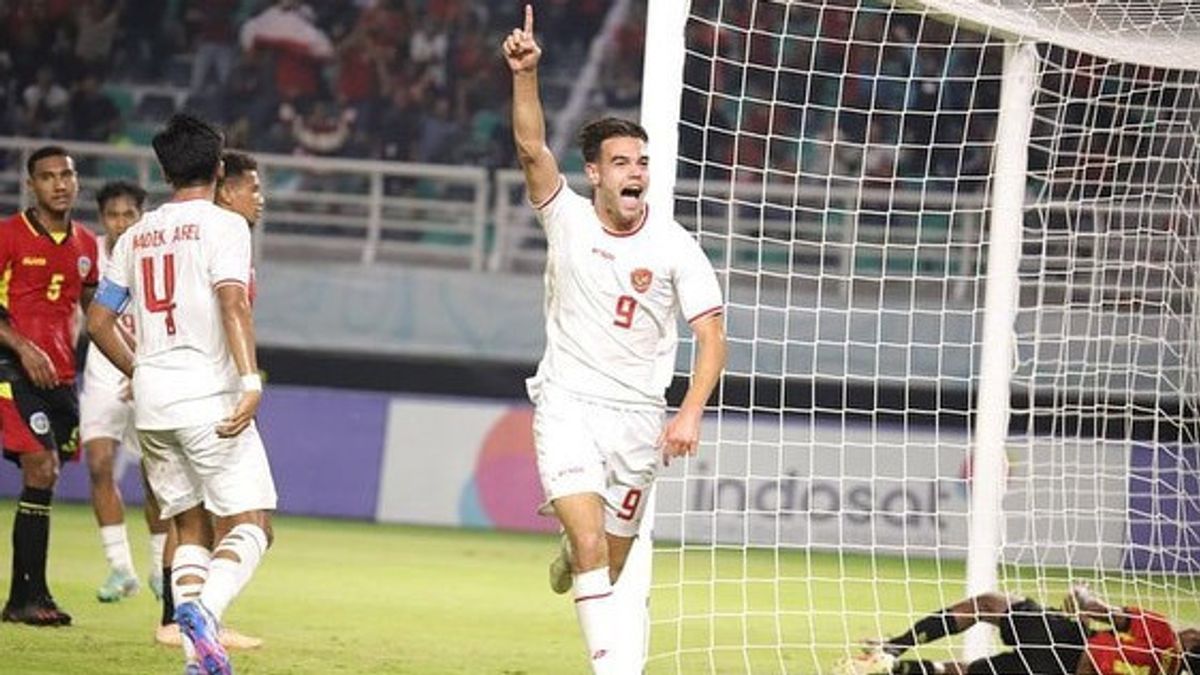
(112,295)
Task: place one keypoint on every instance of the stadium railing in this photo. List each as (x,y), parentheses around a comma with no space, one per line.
(318,209)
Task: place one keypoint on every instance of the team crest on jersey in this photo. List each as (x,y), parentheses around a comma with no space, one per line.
(39,423)
(85,265)
(641,278)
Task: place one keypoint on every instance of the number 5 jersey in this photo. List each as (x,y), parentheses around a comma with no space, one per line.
(43,276)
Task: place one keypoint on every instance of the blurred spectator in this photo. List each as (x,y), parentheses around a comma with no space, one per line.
(93,115)
(321,130)
(427,49)
(213,39)
(149,35)
(45,104)
(398,127)
(366,56)
(285,33)
(438,129)
(96,28)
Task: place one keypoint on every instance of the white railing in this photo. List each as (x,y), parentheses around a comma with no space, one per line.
(322,209)
(369,212)
(787,228)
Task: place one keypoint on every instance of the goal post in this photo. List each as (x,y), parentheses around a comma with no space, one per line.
(959,245)
(1013,122)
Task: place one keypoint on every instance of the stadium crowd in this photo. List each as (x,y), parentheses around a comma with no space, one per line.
(408,80)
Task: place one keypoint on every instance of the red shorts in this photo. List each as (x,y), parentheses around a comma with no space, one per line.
(34,419)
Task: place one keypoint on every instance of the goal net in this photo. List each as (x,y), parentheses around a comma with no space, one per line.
(959,247)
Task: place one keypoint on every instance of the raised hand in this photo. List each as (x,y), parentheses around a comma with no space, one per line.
(521,51)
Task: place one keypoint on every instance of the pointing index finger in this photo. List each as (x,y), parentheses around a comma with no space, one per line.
(529,20)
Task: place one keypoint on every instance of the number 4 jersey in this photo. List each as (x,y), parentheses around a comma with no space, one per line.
(172,262)
(43,277)
(612,300)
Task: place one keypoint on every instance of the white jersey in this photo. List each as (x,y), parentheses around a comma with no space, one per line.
(612,300)
(172,261)
(100,374)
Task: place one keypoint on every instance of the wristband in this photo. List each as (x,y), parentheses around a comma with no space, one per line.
(252,382)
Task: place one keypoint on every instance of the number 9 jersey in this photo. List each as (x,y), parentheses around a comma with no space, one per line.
(172,262)
(612,299)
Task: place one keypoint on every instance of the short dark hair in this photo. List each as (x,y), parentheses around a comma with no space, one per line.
(188,150)
(120,188)
(42,153)
(238,164)
(594,133)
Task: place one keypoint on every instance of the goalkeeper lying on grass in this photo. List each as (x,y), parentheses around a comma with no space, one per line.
(1085,637)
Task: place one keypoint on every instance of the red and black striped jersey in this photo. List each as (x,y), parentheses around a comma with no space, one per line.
(42,276)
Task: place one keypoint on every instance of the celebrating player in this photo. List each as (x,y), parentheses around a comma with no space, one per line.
(1044,641)
(616,277)
(49,263)
(183,270)
(106,423)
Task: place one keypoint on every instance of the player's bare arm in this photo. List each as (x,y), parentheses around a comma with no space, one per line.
(681,436)
(105,331)
(36,362)
(522,53)
(239,333)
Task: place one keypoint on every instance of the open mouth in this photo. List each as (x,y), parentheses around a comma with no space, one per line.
(632,192)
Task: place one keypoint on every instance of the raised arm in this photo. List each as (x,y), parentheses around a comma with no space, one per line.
(681,436)
(239,335)
(529,124)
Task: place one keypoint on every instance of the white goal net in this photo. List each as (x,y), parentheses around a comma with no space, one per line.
(959,242)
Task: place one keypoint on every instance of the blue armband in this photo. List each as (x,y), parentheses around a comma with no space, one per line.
(111,295)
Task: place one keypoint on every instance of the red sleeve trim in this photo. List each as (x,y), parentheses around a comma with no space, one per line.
(562,182)
(227,282)
(708,312)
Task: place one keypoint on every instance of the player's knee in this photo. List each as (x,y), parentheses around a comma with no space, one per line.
(100,469)
(39,470)
(589,551)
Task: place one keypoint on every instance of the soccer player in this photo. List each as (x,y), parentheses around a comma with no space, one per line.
(183,271)
(240,191)
(49,265)
(616,278)
(1044,641)
(106,423)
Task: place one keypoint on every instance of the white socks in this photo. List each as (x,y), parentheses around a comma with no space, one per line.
(595,608)
(190,561)
(115,540)
(158,544)
(227,577)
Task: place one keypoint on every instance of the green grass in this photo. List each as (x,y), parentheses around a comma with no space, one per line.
(351,597)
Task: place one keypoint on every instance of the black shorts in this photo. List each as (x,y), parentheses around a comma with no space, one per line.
(33,419)
(1044,642)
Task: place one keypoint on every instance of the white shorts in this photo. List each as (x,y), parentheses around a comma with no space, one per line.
(192,466)
(102,414)
(585,446)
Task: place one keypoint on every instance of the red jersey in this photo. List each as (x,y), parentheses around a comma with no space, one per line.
(1149,647)
(42,282)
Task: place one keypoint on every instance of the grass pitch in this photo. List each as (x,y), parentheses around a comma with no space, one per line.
(359,598)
